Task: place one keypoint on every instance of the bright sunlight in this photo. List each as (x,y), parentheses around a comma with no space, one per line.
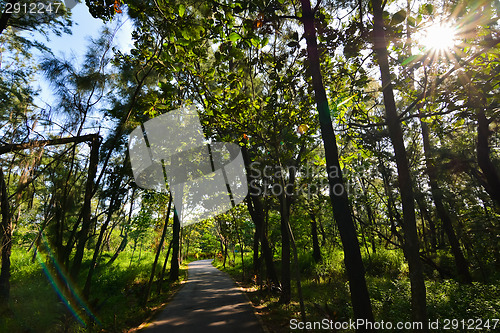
(439,37)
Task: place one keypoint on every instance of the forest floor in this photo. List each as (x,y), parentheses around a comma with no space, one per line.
(326,294)
(210,302)
(118,289)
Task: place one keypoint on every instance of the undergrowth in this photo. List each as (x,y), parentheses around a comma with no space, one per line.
(326,292)
(115,302)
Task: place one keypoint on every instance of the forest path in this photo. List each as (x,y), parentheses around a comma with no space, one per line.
(208,302)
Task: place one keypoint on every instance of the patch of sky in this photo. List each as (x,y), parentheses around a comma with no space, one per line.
(73,47)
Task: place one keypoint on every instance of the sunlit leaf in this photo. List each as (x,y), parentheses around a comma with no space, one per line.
(233,37)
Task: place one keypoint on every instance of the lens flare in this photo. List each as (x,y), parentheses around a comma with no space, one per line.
(439,37)
(63,286)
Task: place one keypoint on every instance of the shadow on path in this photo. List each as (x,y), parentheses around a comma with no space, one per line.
(208,302)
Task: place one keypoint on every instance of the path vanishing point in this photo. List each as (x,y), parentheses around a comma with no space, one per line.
(208,302)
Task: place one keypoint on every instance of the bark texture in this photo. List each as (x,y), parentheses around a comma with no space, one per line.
(354,265)
(411,246)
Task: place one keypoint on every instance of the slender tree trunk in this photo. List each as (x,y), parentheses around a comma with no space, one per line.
(240,241)
(71,242)
(124,241)
(140,250)
(444,215)
(42,143)
(160,283)
(411,246)
(86,209)
(322,230)
(256,238)
(121,247)
(286,291)
(133,252)
(180,245)
(360,297)
(162,239)
(362,228)
(256,210)
(62,254)
(88,282)
(369,213)
(186,253)
(483,156)
(6,242)
(258,217)
(174,263)
(297,273)
(390,205)
(424,211)
(225,252)
(314,234)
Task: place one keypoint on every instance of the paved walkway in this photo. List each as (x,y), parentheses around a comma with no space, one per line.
(208,302)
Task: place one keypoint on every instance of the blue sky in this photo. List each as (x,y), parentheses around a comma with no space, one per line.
(75,45)
(85,26)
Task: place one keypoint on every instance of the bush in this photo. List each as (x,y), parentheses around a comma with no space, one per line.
(388,263)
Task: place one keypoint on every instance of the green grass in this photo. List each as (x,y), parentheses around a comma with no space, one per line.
(326,291)
(117,292)
(115,300)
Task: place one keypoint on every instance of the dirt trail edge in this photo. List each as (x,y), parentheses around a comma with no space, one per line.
(208,302)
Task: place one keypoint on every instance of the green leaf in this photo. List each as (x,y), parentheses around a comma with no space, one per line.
(398,17)
(427,9)
(233,37)
(185,34)
(411,59)
(182,10)
(412,22)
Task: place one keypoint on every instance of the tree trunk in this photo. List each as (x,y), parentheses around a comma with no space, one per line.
(314,233)
(444,215)
(286,291)
(121,247)
(240,241)
(426,216)
(162,239)
(483,156)
(62,253)
(390,205)
(256,257)
(369,213)
(88,282)
(42,143)
(180,244)
(174,263)
(86,209)
(338,195)
(160,283)
(6,229)
(411,246)
(225,252)
(124,241)
(256,211)
(297,273)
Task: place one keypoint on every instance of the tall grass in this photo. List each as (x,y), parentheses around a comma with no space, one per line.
(116,295)
(326,292)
